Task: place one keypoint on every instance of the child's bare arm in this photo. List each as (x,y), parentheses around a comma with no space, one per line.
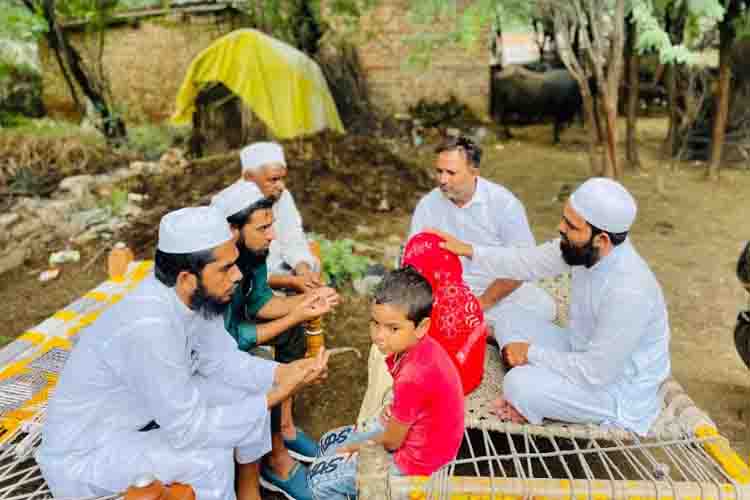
(394,435)
(391,439)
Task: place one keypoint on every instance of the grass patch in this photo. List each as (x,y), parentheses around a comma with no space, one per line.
(152,140)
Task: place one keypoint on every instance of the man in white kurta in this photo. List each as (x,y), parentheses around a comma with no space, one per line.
(483,213)
(607,365)
(479,211)
(290,263)
(156,386)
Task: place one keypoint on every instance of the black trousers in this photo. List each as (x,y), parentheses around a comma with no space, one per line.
(288,346)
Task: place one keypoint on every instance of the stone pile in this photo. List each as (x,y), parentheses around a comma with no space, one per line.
(82,209)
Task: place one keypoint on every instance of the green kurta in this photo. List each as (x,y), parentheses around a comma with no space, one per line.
(253,293)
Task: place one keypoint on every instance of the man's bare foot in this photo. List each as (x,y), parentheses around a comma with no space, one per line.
(507,412)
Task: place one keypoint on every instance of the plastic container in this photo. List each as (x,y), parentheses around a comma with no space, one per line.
(118,260)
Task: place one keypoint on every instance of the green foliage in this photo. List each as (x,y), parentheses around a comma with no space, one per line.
(18,23)
(153,140)
(477,15)
(649,17)
(115,203)
(339,262)
(297,22)
(26,182)
(47,127)
(10,120)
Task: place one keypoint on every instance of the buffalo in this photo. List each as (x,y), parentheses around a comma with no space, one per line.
(518,91)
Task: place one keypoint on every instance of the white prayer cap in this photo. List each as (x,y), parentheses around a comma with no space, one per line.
(259,154)
(236,197)
(192,229)
(604,203)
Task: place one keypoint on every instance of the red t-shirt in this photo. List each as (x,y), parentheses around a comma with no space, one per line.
(427,396)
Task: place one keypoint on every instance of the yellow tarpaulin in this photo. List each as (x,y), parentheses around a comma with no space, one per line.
(284,87)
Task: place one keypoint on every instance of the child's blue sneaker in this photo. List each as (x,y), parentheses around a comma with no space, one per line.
(293,488)
(302,447)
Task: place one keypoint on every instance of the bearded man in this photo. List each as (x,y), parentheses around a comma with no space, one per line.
(257,317)
(607,365)
(156,386)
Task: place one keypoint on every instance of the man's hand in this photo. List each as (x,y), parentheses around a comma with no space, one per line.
(328,294)
(316,303)
(452,244)
(292,377)
(307,279)
(516,354)
(307,371)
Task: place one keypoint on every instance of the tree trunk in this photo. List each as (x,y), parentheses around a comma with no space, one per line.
(113,127)
(670,143)
(592,126)
(611,166)
(675,19)
(726,37)
(633,61)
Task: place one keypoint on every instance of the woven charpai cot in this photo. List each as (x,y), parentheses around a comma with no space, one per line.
(683,455)
(29,369)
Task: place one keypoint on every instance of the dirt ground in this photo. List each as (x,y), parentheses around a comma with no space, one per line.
(690,231)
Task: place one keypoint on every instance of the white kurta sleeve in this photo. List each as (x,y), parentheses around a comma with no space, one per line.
(156,366)
(622,321)
(521,263)
(292,242)
(221,360)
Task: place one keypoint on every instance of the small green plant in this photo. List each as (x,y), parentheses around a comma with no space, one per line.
(115,203)
(339,262)
(26,182)
(153,140)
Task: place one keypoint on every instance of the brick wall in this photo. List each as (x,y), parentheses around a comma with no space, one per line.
(383,53)
(146,63)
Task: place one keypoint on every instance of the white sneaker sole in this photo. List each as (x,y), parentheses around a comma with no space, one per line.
(300,458)
(272,487)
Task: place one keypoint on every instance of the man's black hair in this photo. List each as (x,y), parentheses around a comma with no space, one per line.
(167,266)
(461,143)
(242,217)
(408,289)
(615,238)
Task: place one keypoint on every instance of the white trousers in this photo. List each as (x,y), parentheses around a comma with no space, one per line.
(539,393)
(124,457)
(529,299)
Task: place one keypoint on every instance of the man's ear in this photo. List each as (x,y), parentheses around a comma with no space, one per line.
(187,282)
(422,328)
(604,240)
(235,232)
(248,176)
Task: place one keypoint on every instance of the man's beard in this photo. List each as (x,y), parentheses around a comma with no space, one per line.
(586,255)
(205,304)
(454,195)
(248,253)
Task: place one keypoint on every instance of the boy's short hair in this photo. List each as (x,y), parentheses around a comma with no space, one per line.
(406,288)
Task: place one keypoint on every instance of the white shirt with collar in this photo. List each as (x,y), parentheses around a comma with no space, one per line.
(619,327)
(493,217)
(290,246)
(150,358)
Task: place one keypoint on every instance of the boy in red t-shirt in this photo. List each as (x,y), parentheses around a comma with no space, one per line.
(423,427)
